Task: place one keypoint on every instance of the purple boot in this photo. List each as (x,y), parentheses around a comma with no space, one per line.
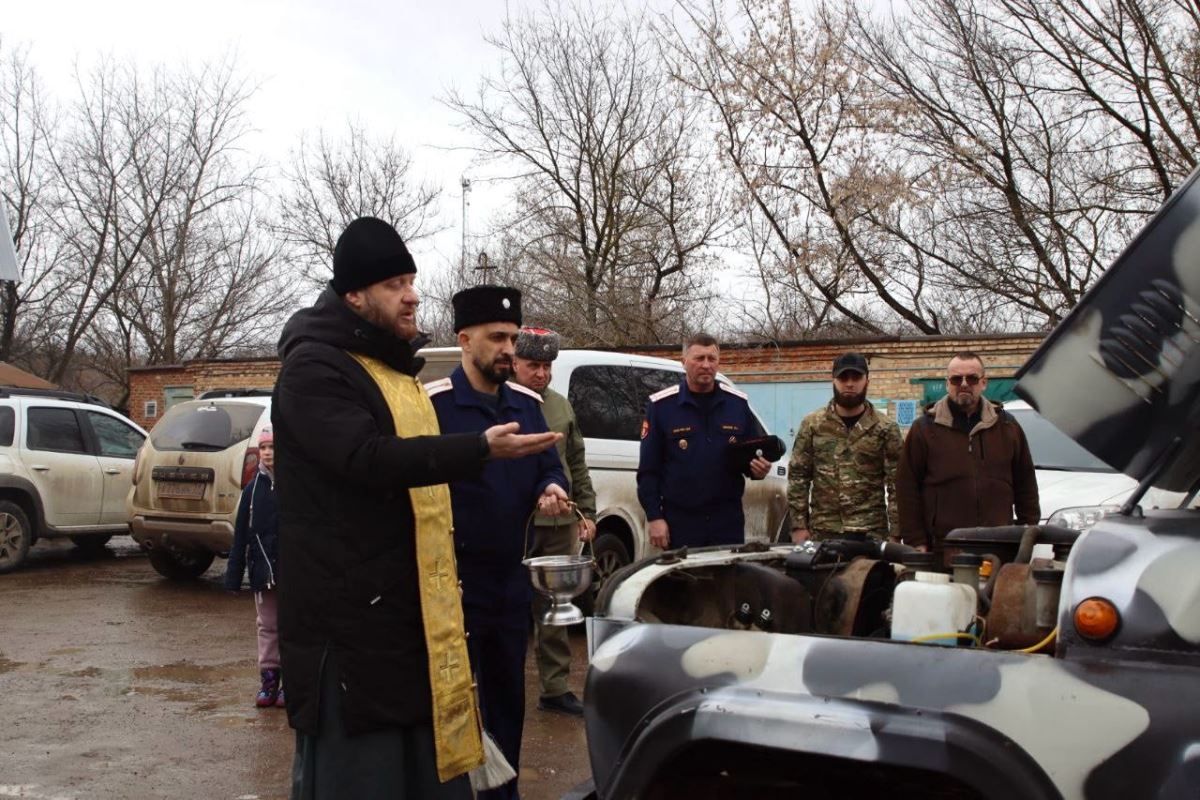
(268,695)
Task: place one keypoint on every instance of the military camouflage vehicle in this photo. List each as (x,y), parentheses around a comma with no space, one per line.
(780,671)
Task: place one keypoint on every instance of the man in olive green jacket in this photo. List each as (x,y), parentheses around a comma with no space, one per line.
(842,477)
(536,349)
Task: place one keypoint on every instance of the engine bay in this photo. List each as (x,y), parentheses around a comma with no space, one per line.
(989,589)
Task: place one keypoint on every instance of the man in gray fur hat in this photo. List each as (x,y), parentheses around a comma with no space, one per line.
(535,352)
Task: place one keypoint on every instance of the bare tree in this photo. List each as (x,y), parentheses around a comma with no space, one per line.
(782,308)
(27,140)
(333,181)
(1020,197)
(615,210)
(961,164)
(148,248)
(806,136)
(116,165)
(1136,64)
(209,280)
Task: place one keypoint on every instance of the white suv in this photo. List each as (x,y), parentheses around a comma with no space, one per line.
(609,392)
(66,462)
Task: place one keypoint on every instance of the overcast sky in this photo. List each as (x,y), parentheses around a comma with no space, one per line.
(318,63)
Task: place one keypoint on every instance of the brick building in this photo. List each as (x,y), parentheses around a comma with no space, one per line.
(785,380)
(152,390)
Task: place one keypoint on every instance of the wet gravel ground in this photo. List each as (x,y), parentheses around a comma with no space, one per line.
(115,683)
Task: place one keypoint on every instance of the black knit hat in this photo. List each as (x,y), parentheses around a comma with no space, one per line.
(482,304)
(367,252)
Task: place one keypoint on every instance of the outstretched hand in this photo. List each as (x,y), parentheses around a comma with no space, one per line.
(505,441)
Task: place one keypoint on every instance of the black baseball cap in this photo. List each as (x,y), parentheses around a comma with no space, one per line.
(850,361)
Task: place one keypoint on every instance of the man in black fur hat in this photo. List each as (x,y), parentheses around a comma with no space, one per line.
(492,512)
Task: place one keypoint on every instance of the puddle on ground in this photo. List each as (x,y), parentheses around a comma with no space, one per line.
(178,695)
(231,721)
(201,699)
(67,651)
(187,672)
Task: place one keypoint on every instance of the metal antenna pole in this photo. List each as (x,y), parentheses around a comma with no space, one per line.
(466,204)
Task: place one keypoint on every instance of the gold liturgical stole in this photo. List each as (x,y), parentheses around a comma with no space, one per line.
(456,725)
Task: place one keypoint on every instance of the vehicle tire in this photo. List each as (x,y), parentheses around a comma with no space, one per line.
(91,544)
(16,535)
(610,554)
(180,565)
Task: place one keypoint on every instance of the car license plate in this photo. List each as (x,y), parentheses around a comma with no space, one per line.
(183,490)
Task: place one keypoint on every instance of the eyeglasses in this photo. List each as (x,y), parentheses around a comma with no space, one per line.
(957,380)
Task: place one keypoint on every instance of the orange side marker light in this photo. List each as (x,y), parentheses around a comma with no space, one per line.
(1096,619)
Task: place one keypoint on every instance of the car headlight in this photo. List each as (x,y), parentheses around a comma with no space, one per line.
(1081,517)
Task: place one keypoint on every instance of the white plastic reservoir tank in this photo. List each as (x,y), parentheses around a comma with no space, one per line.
(931,606)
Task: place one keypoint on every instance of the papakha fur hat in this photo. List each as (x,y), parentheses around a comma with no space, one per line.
(480,305)
(537,344)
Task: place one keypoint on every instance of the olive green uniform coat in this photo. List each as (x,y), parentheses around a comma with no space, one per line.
(551,645)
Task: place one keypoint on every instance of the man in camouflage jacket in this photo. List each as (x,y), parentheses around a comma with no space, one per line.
(842,477)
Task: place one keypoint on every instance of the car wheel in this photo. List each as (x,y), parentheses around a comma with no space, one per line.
(180,565)
(91,544)
(610,554)
(16,534)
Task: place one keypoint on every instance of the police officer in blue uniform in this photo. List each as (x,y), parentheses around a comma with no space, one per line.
(491,512)
(689,488)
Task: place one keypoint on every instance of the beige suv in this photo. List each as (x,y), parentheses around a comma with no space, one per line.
(189,477)
(65,466)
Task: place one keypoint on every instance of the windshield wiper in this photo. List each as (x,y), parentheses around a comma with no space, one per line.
(209,446)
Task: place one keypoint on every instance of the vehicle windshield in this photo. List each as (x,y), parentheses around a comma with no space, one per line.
(1053,449)
(205,426)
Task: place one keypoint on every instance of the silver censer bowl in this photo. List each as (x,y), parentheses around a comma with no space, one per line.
(562,579)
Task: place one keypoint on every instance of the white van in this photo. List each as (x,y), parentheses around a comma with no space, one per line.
(609,392)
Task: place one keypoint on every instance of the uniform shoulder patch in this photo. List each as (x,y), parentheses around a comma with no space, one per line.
(665,393)
(516,387)
(438,386)
(733,391)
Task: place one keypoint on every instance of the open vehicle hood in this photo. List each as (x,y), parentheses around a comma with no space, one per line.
(1121,374)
